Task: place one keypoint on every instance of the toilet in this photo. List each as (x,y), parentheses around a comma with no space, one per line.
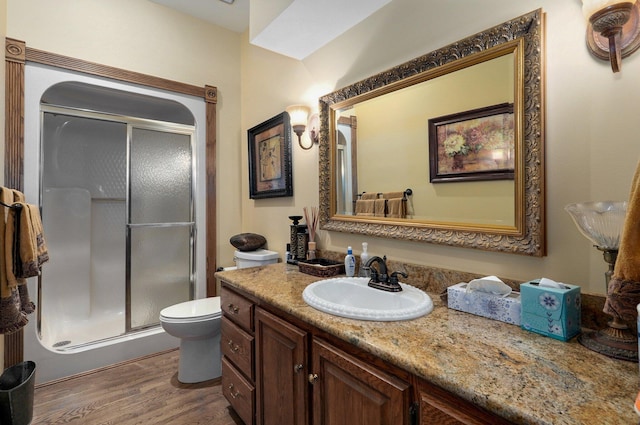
(197,324)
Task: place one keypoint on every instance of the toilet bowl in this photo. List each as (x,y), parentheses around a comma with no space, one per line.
(197,324)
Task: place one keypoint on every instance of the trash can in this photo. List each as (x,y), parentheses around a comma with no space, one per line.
(16,394)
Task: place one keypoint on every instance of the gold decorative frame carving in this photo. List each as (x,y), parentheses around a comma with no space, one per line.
(527,29)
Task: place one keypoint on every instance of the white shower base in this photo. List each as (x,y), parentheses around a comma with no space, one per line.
(54,365)
(92,345)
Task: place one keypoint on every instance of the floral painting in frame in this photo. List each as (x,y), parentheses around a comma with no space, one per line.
(472,145)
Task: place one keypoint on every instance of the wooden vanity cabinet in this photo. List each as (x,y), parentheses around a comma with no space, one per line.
(294,374)
(281,368)
(347,390)
(237,347)
(439,407)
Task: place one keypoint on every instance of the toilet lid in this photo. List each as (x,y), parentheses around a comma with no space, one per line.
(201,308)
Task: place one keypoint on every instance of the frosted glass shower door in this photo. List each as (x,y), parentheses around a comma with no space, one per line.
(161,224)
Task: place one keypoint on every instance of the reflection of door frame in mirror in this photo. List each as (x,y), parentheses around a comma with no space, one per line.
(349,151)
(525,36)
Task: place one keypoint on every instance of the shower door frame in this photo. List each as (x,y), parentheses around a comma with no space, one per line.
(17,53)
(131,123)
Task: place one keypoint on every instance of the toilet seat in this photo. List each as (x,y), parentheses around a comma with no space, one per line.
(192,311)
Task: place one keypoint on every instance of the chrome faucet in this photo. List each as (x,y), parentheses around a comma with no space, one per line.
(380,278)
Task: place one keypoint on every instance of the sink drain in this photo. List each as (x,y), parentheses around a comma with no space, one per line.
(61,343)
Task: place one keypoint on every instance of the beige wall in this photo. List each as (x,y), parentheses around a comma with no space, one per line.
(591,133)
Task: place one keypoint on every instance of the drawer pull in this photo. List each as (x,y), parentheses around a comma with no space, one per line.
(231,393)
(234,347)
(297,368)
(313,378)
(233,308)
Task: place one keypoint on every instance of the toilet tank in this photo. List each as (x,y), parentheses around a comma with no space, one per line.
(259,257)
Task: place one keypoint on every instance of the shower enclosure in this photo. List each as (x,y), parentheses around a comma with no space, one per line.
(117,203)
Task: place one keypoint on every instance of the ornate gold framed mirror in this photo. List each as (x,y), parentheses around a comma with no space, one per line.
(489,194)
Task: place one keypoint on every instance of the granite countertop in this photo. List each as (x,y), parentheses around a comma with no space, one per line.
(525,377)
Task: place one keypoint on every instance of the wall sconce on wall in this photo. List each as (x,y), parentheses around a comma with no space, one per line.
(613,30)
(300,120)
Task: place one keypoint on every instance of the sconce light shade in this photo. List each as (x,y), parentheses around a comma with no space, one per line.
(613,29)
(299,116)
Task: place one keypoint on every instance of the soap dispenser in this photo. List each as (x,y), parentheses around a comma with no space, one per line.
(350,263)
(364,271)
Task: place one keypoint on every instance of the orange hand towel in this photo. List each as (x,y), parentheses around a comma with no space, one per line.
(29,239)
(14,298)
(624,288)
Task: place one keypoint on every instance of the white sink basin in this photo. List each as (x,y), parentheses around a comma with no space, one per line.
(351,297)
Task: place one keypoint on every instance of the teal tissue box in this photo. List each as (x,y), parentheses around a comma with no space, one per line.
(554,312)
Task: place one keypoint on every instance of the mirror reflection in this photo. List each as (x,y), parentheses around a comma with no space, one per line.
(383,146)
(446,148)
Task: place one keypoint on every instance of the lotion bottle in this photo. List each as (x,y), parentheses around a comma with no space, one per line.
(350,263)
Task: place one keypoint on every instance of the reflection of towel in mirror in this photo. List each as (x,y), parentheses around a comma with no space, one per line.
(380,208)
(624,288)
(365,207)
(396,208)
(368,195)
(393,195)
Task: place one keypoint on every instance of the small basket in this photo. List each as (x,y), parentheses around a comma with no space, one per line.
(321,267)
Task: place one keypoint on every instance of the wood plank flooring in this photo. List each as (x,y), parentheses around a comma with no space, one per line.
(141,392)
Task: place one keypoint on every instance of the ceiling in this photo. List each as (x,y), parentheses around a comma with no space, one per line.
(271,23)
(234,17)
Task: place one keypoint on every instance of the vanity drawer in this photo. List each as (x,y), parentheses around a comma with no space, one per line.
(238,392)
(237,346)
(237,308)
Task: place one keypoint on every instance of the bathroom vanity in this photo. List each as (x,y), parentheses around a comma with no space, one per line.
(286,362)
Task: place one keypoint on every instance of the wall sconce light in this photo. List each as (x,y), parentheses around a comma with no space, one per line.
(613,30)
(300,120)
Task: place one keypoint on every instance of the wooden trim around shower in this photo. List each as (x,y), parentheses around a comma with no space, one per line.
(16,56)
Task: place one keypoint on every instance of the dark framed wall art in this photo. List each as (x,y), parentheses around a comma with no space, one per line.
(270,167)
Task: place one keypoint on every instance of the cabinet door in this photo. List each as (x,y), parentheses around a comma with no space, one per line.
(281,371)
(438,407)
(348,391)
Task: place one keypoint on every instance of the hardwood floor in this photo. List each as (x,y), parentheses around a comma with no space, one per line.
(145,391)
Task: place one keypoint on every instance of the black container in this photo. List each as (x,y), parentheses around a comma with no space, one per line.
(16,394)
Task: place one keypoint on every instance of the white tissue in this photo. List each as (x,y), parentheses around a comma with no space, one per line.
(490,285)
(551,283)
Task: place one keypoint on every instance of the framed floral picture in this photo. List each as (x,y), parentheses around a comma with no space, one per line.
(270,173)
(472,145)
